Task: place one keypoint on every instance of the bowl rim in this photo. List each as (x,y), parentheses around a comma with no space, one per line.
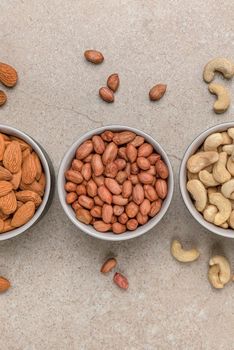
(12,131)
(88,229)
(194,145)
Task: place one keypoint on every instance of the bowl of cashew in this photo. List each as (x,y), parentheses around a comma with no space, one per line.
(207,179)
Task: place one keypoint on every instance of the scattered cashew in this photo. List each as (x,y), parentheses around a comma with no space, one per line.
(223,97)
(224,267)
(227,189)
(198,193)
(227,139)
(218,64)
(220,172)
(210,212)
(213,141)
(183,255)
(207,178)
(201,160)
(213,276)
(224,207)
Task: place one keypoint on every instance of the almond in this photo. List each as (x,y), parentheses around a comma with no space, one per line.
(161,169)
(98,144)
(113,82)
(108,265)
(29,169)
(16,178)
(25,153)
(132,224)
(5,188)
(157,92)
(94,56)
(113,186)
(106,94)
(7,226)
(38,166)
(3,216)
(42,182)
(12,158)
(5,174)
(1,225)
(161,188)
(84,150)
(110,153)
(4,284)
(23,145)
(8,75)
(123,137)
(35,186)
(23,214)
(101,226)
(8,203)
(2,147)
(84,216)
(28,196)
(3,98)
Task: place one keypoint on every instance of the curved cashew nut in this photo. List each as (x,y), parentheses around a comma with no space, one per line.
(227,139)
(198,193)
(224,207)
(213,276)
(230,165)
(218,64)
(220,172)
(210,212)
(231,219)
(207,179)
(213,141)
(229,149)
(223,97)
(227,189)
(224,225)
(201,160)
(183,255)
(224,267)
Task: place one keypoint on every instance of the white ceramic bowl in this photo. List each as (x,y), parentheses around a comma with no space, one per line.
(49,173)
(89,229)
(183,180)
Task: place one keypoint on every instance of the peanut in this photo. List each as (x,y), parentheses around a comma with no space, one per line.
(121,281)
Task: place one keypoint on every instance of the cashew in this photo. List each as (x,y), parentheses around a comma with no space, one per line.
(231,133)
(198,193)
(231,220)
(224,206)
(183,255)
(227,139)
(207,178)
(220,172)
(213,276)
(209,168)
(210,212)
(223,97)
(213,141)
(227,189)
(230,165)
(224,225)
(218,64)
(192,176)
(229,149)
(201,160)
(224,267)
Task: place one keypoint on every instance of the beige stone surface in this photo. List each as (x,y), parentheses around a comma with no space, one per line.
(58,299)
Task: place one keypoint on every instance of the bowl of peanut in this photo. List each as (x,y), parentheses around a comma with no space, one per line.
(26,182)
(115,183)
(207,179)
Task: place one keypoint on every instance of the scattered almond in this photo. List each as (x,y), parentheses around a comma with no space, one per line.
(94,56)
(157,92)
(4,284)
(8,75)
(3,98)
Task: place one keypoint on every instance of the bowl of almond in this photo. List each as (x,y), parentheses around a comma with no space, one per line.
(26,182)
(115,183)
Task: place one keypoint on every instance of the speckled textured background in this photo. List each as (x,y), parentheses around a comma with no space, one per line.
(59,300)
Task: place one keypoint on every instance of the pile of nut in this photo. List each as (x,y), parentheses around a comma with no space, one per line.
(8,77)
(211,178)
(116,182)
(22,182)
